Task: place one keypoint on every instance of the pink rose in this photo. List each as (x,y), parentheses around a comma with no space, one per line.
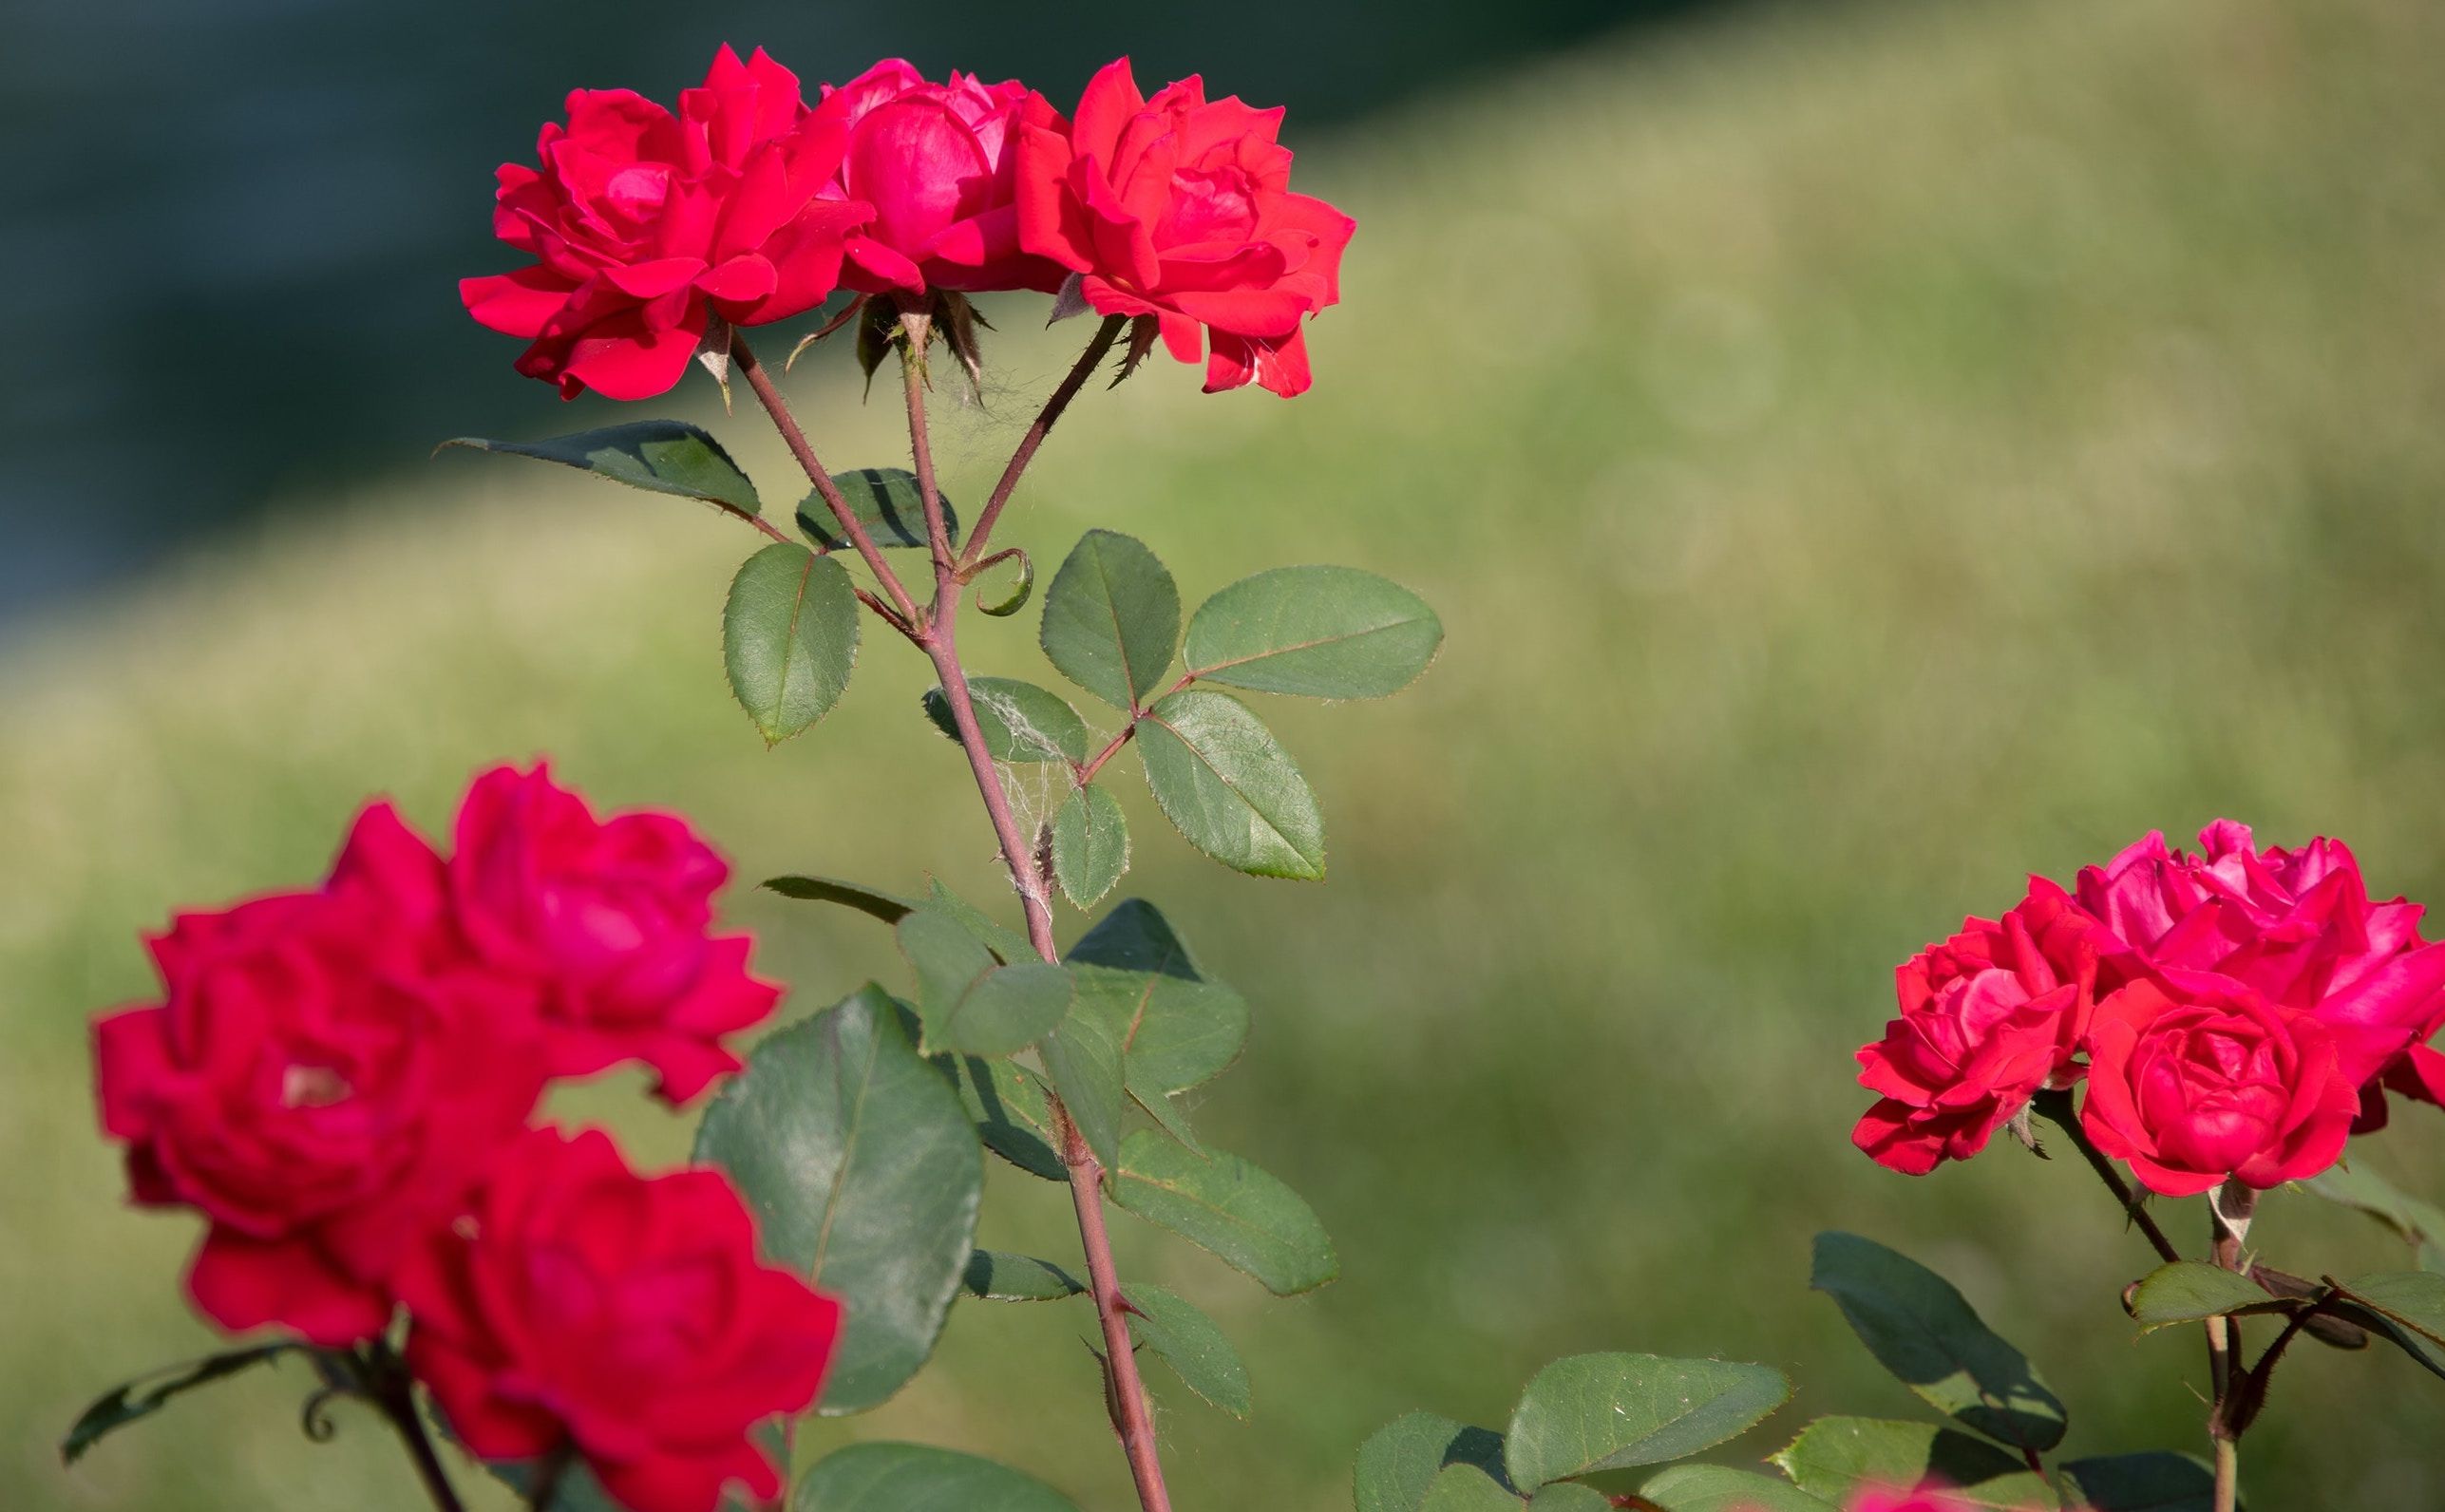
(623,1316)
(937,163)
(646,226)
(611,921)
(325,1080)
(1178,211)
(1988,1018)
(2207,1080)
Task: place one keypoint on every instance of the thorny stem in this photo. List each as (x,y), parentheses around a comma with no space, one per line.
(2056,1106)
(386,1384)
(2225,1371)
(1058,401)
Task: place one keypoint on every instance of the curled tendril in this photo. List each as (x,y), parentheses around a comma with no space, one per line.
(1016,598)
(315,1420)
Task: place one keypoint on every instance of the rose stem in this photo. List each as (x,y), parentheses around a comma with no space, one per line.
(2057,1106)
(939,642)
(1073,381)
(2223,1343)
(388,1382)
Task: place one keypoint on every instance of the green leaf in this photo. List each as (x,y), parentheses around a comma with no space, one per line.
(883,500)
(1135,937)
(1929,1336)
(2420,1224)
(999,1277)
(1014,598)
(662,456)
(1228,786)
(1466,1489)
(1019,720)
(1569,1496)
(147,1394)
(1190,1343)
(1178,1028)
(915,1478)
(865,1177)
(888,907)
(1090,845)
(1083,1056)
(970,1003)
(1317,631)
(1714,1488)
(1399,1462)
(1608,1411)
(2153,1482)
(1000,938)
(1230,1207)
(1111,617)
(1835,1456)
(2406,1306)
(789,637)
(2189,1291)
(1013,1116)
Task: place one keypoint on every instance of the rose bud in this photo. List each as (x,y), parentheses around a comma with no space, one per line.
(939,163)
(1988,1018)
(325,1080)
(2208,1081)
(587,1309)
(1178,211)
(611,923)
(647,226)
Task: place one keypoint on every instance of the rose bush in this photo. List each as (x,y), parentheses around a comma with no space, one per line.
(620,1317)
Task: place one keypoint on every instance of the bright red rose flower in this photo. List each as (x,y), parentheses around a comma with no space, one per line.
(324,1081)
(1180,210)
(611,921)
(590,1307)
(939,163)
(2296,925)
(645,226)
(2214,1081)
(1988,1018)
(1931,1497)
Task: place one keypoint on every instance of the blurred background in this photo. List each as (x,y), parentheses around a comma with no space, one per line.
(1862,452)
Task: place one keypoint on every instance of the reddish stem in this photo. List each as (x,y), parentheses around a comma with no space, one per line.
(1054,404)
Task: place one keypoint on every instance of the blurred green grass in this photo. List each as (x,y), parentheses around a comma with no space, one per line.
(1861,453)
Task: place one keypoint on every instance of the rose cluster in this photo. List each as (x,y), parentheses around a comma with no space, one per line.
(2236,1013)
(654,231)
(342,1081)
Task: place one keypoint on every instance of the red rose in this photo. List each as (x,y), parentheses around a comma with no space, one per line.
(2215,1082)
(626,1317)
(323,1081)
(938,163)
(645,226)
(2296,925)
(1179,211)
(611,921)
(1988,1018)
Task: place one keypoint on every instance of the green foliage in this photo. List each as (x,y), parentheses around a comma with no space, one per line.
(1190,1343)
(1466,1489)
(1111,618)
(999,1277)
(1083,1056)
(1608,1411)
(789,637)
(1228,786)
(1230,1207)
(888,907)
(1177,1029)
(885,500)
(2408,1307)
(1929,1336)
(865,1177)
(1713,1489)
(915,1478)
(1569,1496)
(2153,1482)
(1400,1462)
(1005,942)
(140,1398)
(661,455)
(1835,1456)
(1318,631)
(2420,1224)
(1019,720)
(970,1003)
(1090,845)
(2189,1291)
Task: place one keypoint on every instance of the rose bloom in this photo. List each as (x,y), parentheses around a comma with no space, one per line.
(937,163)
(626,1317)
(2296,925)
(1931,1497)
(2214,1082)
(324,1080)
(1988,1018)
(1179,211)
(611,921)
(646,226)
